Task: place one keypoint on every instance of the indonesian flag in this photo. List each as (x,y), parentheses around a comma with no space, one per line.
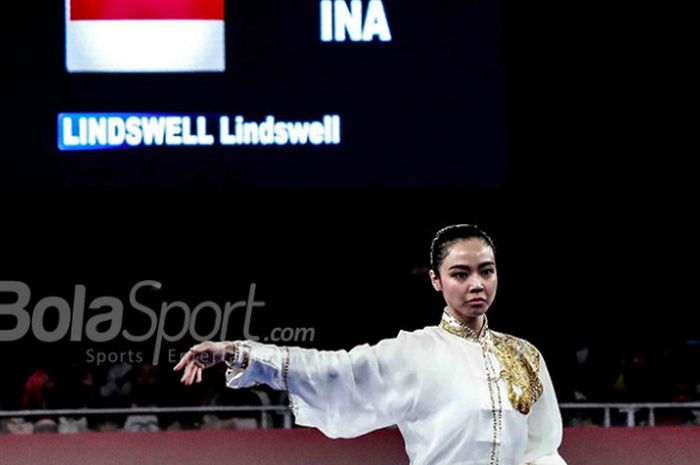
(145,35)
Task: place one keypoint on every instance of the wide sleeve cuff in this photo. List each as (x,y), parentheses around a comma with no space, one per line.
(265,366)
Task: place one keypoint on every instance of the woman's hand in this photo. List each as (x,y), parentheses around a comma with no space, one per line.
(203,355)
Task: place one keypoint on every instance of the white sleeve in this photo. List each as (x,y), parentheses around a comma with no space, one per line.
(342,393)
(544,426)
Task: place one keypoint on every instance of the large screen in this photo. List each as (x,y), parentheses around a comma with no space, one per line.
(123,94)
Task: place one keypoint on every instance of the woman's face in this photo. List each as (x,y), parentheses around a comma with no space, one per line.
(468,278)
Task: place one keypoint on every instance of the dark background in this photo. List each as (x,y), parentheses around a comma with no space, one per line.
(424,110)
(592,218)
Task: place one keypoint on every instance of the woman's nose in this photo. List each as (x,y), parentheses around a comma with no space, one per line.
(475,284)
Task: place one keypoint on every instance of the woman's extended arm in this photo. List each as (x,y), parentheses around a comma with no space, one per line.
(342,393)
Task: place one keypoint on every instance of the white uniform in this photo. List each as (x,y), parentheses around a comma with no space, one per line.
(457,397)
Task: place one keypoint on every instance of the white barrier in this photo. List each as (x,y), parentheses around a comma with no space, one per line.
(630,409)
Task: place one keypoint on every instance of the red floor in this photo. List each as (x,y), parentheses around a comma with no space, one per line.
(582,446)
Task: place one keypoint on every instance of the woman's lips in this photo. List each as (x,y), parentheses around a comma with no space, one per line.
(476,302)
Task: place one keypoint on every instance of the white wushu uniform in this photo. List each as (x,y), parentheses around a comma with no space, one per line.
(457,397)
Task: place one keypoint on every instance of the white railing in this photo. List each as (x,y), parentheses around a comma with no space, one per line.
(630,409)
(264,410)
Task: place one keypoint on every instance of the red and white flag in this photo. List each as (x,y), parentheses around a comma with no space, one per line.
(145,36)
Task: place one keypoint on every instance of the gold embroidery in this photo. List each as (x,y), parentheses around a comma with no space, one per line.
(520,367)
(456,327)
(496,405)
(520,361)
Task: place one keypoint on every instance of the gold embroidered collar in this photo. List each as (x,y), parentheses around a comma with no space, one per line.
(456,327)
(519,361)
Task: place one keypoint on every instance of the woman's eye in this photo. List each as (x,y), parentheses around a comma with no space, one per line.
(460,275)
(488,272)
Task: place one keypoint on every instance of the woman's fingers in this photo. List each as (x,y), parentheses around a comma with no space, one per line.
(184,374)
(198,358)
(187,375)
(196,375)
(184,360)
(191,370)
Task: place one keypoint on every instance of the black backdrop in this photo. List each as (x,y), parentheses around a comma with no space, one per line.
(583,221)
(426,109)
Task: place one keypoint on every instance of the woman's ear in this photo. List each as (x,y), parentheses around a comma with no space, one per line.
(435,281)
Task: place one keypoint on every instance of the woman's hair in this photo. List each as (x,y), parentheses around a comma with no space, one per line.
(448,236)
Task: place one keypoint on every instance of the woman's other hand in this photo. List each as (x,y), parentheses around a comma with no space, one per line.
(203,355)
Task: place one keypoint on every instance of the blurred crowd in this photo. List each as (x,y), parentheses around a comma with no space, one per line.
(584,373)
(640,372)
(76,385)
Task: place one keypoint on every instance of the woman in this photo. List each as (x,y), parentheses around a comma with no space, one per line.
(459,392)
